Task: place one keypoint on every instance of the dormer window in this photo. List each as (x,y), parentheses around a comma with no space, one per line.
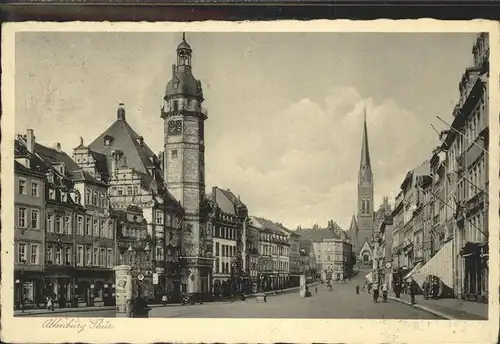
(59,168)
(64,196)
(140,140)
(107,140)
(52,194)
(50,177)
(176,83)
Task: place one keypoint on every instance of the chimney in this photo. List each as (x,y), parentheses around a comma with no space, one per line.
(30,140)
(173,70)
(120,113)
(58,147)
(214,193)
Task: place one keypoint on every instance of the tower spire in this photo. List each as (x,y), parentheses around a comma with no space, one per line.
(183,36)
(365,152)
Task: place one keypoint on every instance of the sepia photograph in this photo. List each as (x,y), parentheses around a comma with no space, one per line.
(249,175)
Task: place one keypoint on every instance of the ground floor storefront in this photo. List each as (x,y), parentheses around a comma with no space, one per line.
(70,287)
(28,289)
(475,272)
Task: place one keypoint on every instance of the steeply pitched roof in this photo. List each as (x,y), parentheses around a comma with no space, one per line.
(365,151)
(317,235)
(227,201)
(125,139)
(353,228)
(72,169)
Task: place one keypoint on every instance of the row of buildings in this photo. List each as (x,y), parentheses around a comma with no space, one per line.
(114,201)
(73,224)
(439,225)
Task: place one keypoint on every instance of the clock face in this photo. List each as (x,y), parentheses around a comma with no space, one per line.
(175,127)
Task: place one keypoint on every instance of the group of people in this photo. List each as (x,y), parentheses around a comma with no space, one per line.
(376,287)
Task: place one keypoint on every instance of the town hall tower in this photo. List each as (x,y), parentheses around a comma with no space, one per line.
(184,163)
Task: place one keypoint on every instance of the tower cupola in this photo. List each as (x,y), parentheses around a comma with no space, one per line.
(183,83)
(184,53)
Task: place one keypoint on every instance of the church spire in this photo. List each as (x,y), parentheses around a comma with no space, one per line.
(365,152)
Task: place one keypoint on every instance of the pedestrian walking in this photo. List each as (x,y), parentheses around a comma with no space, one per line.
(50,303)
(384,292)
(369,287)
(357,289)
(375,292)
(425,287)
(413,290)
(435,288)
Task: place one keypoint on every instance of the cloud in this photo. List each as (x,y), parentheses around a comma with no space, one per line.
(300,165)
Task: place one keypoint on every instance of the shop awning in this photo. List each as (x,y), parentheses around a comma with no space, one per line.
(369,277)
(412,271)
(441,266)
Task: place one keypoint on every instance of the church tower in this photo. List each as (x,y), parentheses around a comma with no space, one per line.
(365,192)
(184,163)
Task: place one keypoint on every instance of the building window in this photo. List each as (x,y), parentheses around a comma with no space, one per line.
(79,225)
(50,223)
(21,186)
(119,191)
(101,229)
(174,153)
(35,189)
(21,217)
(58,256)
(35,219)
(49,255)
(136,190)
(159,217)
(96,227)
(67,256)
(217,247)
(129,190)
(94,198)
(79,255)
(21,253)
(103,200)
(88,196)
(67,230)
(64,197)
(52,194)
(110,258)
(88,253)
(96,257)
(103,257)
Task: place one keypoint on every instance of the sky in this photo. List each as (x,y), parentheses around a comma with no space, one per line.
(285,109)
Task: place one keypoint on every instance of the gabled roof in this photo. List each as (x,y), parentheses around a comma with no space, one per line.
(226,201)
(317,235)
(366,246)
(73,170)
(125,139)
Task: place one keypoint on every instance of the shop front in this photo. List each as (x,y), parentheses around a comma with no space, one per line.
(28,290)
(475,265)
(94,288)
